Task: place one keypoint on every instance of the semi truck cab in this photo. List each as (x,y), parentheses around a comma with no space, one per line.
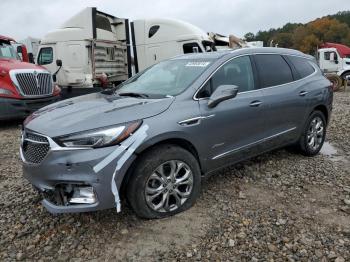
(335,58)
(24,87)
(98,49)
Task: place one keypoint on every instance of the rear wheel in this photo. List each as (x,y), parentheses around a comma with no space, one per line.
(165,181)
(313,135)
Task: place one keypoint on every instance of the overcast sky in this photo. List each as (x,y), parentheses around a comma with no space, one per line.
(22,18)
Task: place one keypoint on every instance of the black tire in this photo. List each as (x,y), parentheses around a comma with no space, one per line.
(303,144)
(346,77)
(146,165)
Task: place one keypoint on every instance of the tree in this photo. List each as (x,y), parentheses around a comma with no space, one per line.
(283,40)
(308,37)
(249,37)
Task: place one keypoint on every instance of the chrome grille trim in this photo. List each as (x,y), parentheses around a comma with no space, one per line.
(34,147)
(32,82)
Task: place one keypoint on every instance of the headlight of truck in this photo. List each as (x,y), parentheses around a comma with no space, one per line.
(4,91)
(101,137)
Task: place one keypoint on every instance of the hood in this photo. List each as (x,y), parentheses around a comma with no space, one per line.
(9,64)
(93,111)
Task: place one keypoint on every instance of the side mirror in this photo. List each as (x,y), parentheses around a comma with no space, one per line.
(19,49)
(23,53)
(59,62)
(222,93)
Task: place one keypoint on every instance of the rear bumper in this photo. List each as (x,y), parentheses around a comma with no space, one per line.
(16,108)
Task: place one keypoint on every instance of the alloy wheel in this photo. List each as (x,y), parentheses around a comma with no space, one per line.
(169,186)
(315,134)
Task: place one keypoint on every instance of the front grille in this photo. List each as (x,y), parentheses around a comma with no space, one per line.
(34,147)
(32,84)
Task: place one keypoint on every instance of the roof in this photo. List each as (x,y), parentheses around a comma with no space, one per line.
(5,38)
(342,49)
(243,51)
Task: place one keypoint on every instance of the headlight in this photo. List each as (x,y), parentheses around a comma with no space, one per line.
(101,137)
(4,91)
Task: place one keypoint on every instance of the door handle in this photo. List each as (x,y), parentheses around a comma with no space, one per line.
(255,103)
(303,93)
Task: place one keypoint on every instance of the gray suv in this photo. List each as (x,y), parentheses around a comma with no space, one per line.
(154,137)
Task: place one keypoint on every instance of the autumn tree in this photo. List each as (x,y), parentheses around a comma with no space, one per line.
(308,37)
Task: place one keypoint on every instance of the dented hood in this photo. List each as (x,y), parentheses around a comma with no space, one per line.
(93,111)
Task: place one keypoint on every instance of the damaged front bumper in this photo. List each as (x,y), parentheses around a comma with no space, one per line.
(69,182)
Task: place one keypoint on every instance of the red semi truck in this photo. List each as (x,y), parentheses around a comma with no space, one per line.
(24,87)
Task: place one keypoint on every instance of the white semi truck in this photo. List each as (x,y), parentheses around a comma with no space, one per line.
(334,61)
(94,49)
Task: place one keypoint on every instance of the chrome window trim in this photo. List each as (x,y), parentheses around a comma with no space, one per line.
(255,90)
(253,143)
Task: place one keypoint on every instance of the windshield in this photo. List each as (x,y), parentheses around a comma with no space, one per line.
(7,51)
(166,78)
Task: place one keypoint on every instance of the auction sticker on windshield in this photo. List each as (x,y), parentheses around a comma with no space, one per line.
(198,64)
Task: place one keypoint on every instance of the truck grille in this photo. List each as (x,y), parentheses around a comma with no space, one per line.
(32,84)
(34,147)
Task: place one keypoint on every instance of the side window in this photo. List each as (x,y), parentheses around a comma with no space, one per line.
(327,55)
(302,65)
(153,30)
(273,70)
(191,48)
(45,56)
(103,23)
(235,72)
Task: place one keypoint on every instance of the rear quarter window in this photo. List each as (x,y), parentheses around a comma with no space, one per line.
(273,70)
(302,66)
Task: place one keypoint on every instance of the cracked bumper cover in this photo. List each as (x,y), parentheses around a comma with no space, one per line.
(76,167)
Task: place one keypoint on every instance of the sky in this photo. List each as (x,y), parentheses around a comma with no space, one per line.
(22,18)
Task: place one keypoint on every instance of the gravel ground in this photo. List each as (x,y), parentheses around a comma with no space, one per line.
(277,207)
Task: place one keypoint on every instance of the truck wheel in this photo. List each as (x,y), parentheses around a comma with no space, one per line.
(166,180)
(314,134)
(346,77)
(336,81)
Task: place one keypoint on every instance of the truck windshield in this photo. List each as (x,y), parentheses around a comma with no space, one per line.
(7,51)
(166,78)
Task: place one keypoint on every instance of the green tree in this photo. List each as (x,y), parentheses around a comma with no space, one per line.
(249,37)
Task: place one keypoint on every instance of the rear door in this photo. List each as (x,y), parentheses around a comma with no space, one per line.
(285,99)
(234,128)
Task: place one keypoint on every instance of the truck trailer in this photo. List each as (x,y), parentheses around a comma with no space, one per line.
(94,49)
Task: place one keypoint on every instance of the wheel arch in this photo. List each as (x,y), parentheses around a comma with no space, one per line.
(323,109)
(158,141)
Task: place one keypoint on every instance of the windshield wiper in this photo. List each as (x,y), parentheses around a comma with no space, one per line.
(132,94)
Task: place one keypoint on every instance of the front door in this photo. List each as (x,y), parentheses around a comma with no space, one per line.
(234,128)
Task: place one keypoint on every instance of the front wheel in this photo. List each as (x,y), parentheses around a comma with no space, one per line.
(314,134)
(165,181)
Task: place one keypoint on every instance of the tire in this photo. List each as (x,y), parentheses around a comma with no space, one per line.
(310,131)
(346,77)
(336,80)
(148,188)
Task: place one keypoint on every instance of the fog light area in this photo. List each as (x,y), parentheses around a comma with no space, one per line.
(83,195)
